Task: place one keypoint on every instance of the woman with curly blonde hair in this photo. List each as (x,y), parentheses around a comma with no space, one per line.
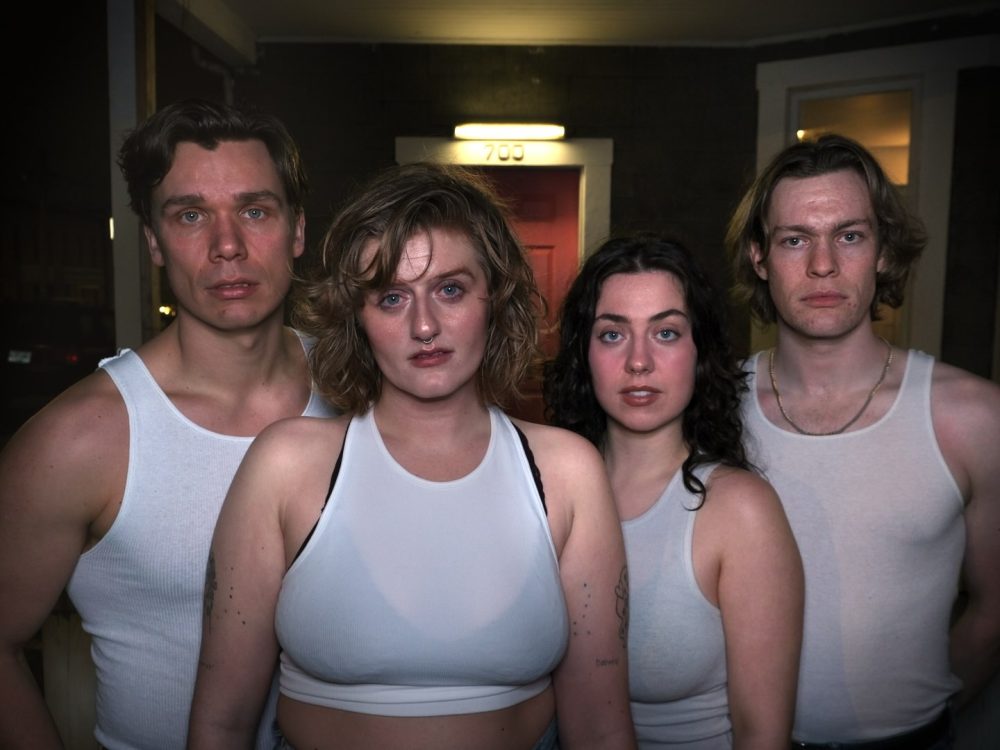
(460,580)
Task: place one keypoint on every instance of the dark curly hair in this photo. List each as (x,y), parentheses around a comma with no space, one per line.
(147,153)
(712,425)
(398,203)
(901,236)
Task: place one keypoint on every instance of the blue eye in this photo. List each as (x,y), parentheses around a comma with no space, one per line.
(451,290)
(255,213)
(390,300)
(667,334)
(609,336)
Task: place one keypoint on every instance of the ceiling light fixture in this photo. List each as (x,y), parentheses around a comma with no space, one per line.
(512,131)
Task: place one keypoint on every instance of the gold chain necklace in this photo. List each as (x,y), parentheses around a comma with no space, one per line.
(852,420)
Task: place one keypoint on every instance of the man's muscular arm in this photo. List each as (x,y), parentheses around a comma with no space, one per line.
(56,475)
(967,422)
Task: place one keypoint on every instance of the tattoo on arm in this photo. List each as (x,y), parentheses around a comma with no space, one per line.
(210,585)
(621,604)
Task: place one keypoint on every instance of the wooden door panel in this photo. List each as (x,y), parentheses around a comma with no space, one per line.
(545,203)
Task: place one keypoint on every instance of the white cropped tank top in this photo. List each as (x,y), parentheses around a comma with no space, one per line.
(421,598)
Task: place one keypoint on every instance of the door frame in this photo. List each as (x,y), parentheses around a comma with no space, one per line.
(934,66)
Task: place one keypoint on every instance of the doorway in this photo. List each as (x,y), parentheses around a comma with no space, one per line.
(544,207)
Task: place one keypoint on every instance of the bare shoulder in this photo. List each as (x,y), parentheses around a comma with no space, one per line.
(957,394)
(577,491)
(560,452)
(965,409)
(743,521)
(84,429)
(300,428)
(66,466)
(742,496)
(286,475)
(296,443)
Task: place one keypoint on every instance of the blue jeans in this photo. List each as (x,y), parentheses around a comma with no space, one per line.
(550,739)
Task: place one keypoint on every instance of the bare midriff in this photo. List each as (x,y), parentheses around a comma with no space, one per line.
(307,726)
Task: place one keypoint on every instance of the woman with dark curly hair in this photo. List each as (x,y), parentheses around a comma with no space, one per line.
(427,571)
(645,371)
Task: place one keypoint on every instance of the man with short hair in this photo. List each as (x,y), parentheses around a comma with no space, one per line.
(887,461)
(112,490)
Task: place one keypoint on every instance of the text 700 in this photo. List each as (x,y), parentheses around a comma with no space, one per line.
(504,151)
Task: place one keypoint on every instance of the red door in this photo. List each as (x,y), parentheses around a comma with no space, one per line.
(545,203)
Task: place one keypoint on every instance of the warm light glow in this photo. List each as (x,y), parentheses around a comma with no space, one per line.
(111,228)
(513,131)
(168,311)
(800,134)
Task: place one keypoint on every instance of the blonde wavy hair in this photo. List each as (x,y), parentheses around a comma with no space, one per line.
(397,204)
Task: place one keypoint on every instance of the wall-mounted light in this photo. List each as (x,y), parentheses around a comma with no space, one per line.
(511,131)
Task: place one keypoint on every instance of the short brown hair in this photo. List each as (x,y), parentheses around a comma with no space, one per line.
(147,153)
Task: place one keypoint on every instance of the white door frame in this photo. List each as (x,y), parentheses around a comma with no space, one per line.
(935,66)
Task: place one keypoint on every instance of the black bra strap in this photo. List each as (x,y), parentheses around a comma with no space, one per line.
(333,481)
(531,463)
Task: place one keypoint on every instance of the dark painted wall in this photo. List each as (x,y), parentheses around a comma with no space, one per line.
(56,183)
(968,328)
(683,119)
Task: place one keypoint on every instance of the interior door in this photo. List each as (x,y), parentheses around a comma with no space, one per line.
(545,210)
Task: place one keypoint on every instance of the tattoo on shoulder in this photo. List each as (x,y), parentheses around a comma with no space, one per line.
(210,585)
(621,604)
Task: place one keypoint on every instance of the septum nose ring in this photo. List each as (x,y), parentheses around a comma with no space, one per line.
(427,341)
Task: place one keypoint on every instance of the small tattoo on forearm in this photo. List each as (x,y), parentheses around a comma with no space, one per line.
(621,604)
(210,585)
(606,662)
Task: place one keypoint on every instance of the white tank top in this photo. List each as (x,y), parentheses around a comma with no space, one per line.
(676,648)
(878,519)
(140,590)
(421,598)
